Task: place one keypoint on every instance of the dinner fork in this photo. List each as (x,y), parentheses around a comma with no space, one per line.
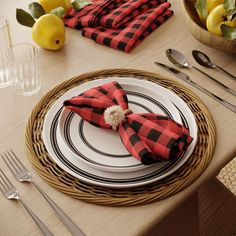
(22,174)
(11,193)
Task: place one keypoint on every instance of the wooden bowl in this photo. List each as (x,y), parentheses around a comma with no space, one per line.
(199,31)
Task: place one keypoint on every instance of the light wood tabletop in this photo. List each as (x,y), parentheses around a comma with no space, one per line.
(80,55)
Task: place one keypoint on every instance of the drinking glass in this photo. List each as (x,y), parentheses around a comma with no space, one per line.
(25,68)
(5,44)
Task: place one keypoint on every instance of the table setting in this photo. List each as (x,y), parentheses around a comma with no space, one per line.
(127,119)
(112,175)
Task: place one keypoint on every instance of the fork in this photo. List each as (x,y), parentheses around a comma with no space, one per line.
(11,193)
(22,174)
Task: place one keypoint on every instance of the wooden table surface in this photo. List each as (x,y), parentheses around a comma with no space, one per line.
(81,55)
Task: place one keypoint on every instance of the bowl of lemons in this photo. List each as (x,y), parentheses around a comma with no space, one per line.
(212,22)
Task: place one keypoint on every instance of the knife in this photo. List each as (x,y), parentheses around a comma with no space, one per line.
(185,77)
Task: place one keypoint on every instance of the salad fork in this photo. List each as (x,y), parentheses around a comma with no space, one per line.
(22,174)
(11,193)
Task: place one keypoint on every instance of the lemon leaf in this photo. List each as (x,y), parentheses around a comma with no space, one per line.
(79,4)
(228,32)
(59,11)
(24,18)
(36,10)
(229,4)
(231,14)
(201,7)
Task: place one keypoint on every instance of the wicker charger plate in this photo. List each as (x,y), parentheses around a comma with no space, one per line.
(161,189)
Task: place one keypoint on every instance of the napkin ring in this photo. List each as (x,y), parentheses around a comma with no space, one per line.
(115,115)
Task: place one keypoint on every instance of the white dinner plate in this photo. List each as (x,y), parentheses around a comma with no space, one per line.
(103,148)
(73,164)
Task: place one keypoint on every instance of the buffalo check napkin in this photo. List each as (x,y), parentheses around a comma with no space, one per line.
(148,137)
(120,24)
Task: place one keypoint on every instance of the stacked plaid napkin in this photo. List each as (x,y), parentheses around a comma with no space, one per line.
(120,24)
(148,137)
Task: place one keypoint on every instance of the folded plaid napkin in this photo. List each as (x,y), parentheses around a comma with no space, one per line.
(148,137)
(120,24)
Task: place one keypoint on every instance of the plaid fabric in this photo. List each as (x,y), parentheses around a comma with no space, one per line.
(90,15)
(148,137)
(120,24)
(123,13)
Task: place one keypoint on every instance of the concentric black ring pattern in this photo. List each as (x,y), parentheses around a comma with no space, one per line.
(105,180)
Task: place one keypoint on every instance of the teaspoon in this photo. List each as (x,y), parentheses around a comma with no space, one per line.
(202,59)
(179,59)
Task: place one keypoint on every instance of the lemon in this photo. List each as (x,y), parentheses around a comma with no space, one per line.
(49,32)
(216,18)
(211,4)
(49,5)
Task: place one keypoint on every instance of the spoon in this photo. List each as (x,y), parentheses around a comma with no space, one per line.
(177,58)
(204,60)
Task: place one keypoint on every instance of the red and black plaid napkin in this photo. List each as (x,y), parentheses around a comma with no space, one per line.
(148,137)
(119,24)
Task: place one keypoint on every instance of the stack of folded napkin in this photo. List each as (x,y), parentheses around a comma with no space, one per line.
(119,24)
(148,137)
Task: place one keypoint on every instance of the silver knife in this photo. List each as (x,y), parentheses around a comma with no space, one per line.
(185,77)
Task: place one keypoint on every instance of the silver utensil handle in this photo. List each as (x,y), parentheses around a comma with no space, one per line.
(215,97)
(40,224)
(71,226)
(219,83)
(226,72)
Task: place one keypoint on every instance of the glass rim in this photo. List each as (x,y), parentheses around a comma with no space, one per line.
(35,49)
(24,44)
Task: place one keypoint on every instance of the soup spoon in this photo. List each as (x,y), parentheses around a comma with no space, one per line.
(177,58)
(202,59)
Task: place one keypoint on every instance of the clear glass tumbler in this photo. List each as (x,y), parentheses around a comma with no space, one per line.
(25,68)
(5,44)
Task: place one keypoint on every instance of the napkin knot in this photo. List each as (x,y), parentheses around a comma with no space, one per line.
(115,115)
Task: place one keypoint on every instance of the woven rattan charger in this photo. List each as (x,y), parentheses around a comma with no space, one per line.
(158,190)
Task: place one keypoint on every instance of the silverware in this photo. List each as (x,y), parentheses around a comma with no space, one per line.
(179,59)
(23,175)
(186,78)
(202,59)
(10,192)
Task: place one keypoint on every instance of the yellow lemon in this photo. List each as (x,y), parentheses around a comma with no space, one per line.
(49,32)
(49,5)
(216,18)
(211,4)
